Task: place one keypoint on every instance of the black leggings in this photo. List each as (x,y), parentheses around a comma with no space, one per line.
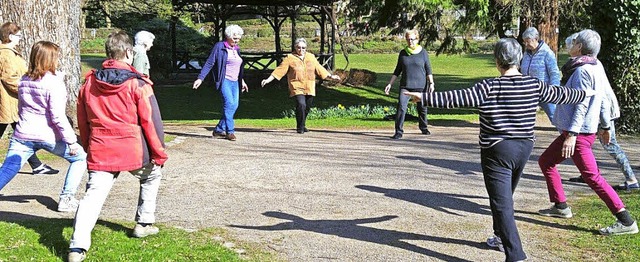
(33,161)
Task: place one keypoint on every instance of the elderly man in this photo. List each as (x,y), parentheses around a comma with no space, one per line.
(540,62)
(579,124)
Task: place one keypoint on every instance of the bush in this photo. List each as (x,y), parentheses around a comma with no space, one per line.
(353,112)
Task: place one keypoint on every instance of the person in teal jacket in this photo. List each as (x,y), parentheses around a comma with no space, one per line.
(540,62)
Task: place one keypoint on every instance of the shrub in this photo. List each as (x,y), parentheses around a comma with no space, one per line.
(353,112)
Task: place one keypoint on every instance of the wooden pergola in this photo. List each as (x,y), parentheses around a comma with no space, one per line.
(275,12)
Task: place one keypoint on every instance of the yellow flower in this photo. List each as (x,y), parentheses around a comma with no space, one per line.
(362,106)
(386,109)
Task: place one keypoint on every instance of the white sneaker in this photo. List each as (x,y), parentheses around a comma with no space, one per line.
(495,242)
(68,204)
(619,229)
(140,231)
(76,256)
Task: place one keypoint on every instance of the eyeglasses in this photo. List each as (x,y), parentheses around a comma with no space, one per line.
(301,47)
(412,39)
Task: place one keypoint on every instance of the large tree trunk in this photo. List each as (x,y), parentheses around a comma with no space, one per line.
(543,15)
(57,21)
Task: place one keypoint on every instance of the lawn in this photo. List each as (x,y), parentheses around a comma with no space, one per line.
(40,239)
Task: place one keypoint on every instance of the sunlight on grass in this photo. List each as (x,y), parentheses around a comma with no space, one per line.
(48,240)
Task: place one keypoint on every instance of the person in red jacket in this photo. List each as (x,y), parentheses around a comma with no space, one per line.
(121,130)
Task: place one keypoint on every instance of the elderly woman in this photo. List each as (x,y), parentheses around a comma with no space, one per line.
(540,62)
(12,67)
(415,67)
(227,68)
(144,42)
(507,106)
(301,69)
(579,124)
(613,148)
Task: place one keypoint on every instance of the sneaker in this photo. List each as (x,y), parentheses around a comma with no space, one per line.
(231,137)
(556,212)
(577,179)
(77,255)
(396,136)
(216,134)
(495,242)
(44,169)
(619,229)
(426,132)
(68,204)
(141,231)
(627,187)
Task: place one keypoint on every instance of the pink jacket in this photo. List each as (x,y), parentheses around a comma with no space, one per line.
(42,110)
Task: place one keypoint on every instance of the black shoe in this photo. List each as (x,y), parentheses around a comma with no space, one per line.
(577,179)
(396,136)
(215,134)
(426,132)
(300,131)
(306,130)
(44,169)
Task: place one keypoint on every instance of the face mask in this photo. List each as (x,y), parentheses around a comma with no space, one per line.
(14,38)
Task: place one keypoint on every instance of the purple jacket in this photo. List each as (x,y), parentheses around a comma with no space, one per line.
(42,110)
(218,62)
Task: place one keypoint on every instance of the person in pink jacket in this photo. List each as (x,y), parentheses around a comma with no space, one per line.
(43,124)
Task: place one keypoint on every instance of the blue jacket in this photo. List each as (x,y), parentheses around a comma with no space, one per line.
(218,62)
(594,111)
(541,64)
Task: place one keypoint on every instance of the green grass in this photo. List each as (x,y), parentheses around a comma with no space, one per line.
(591,214)
(48,240)
(264,107)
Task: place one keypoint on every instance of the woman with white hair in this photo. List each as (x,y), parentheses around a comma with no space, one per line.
(579,124)
(613,147)
(507,107)
(228,71)
(540,62)
(144,42)
(301,68)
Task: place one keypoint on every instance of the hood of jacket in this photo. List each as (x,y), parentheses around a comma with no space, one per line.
(114,74)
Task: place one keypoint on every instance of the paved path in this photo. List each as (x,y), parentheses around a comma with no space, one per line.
(334,195)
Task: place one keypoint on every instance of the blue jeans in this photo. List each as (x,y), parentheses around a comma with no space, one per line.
(403,103)
(614,150)
(548,109)
(230,92)
(20,150)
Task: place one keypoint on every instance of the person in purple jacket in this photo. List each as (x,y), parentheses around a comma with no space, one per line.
(227,68)
(43,124)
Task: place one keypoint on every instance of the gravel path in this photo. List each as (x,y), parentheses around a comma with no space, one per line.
(333,195)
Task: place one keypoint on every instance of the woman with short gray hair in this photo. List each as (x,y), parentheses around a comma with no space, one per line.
(540,62)
(144,42)
(228,72)
(507,106)
(301,69)
(579,125)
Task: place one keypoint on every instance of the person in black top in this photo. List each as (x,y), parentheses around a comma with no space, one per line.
(413,64)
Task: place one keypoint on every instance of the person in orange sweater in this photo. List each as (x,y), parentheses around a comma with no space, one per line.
(301,69)
(121,130)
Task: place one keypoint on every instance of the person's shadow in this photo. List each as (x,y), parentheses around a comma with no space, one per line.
(449,203)
(354,229)
(50,230)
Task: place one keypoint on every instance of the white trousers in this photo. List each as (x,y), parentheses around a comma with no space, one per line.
(98,187)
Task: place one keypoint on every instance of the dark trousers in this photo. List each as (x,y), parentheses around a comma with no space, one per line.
(403,103)
(303,105)
(502,166)
(33,161)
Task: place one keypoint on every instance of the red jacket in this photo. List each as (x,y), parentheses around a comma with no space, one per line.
(119,119)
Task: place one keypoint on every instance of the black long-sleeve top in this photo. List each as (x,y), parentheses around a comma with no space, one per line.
(414,70)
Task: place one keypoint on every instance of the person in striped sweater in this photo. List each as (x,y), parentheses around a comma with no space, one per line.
(507,108)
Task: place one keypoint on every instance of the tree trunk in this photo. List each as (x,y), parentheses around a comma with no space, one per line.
(543,15)
(57,21)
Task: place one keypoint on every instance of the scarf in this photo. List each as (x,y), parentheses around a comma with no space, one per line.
(228,46)
(570,66)
(413,51)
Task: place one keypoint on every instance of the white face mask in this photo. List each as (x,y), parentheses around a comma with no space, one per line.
(14,38)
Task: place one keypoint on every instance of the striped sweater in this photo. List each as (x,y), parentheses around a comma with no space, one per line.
(507,104)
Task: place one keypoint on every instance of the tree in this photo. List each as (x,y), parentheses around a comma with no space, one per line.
(617,22)
(51,20)
(543,15)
